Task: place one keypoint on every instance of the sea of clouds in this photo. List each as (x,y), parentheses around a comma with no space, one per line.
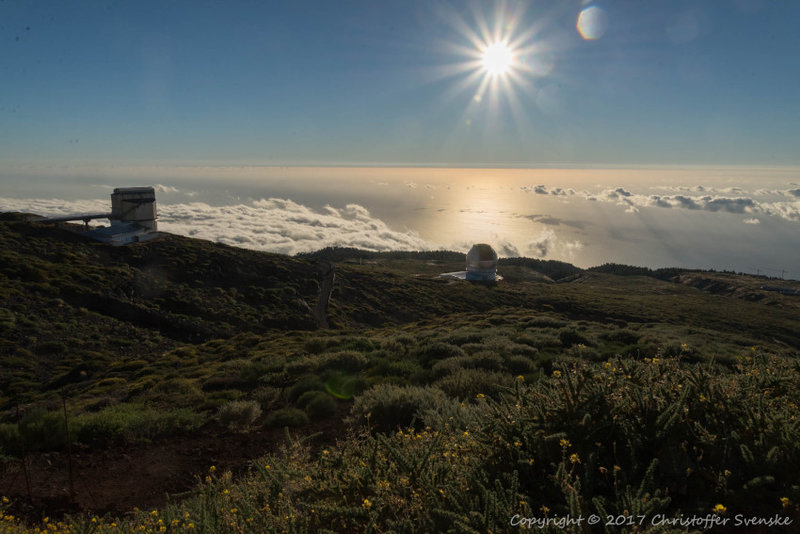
(289,227)
(273,224)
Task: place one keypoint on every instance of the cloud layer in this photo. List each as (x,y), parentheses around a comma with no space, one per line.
(712,200)
(274,224)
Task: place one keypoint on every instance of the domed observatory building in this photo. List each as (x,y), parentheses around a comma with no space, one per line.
(481,263)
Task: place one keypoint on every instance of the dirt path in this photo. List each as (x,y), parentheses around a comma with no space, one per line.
(117,479)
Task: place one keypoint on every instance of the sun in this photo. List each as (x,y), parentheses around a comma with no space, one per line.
(497,59)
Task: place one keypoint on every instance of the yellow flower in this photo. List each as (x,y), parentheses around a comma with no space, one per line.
(325,451)
(720,509)
(154,513)
(225,492)
(212,468)
(480,395)
(557,373)
(517,444)
(684,346)
(565,443)
(574,459)
(520,378)
(607,365)
(726,473)
(366,504)
(617,468)
(466,432)
(703,398)
(785,502)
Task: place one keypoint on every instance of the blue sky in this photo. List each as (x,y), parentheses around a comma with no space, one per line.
(385,83)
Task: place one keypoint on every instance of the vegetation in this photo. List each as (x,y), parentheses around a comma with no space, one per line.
(556,392)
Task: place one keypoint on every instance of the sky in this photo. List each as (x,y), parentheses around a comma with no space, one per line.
(398,83)
(659,133)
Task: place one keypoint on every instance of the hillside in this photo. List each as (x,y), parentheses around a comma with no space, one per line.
(184,354)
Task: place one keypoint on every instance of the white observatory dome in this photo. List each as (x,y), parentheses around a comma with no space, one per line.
(481,263)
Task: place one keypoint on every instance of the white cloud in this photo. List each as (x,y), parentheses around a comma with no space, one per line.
(752,221)
(548,244)
(274,224)
(160,188)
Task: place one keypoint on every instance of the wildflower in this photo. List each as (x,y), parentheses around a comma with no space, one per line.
(325,451)
(544,509)
(565,443)
(557,373)
(785,502)
(480,395)
(720,509)
(225,492)
(366,504)
(607,365)
(466,432)
(212,468)
(517,444)
(267,466)
(617,468)
(520,378)
(5,500)
(154,513)
(234,510)
(307,478)
(603,470)
(684,346)
(384,484)
(703,398)
(726,473)
(574,458)
(208,478)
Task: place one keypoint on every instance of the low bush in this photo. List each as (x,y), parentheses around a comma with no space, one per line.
(309,383)
(319,405)
(291,417)
(239,416)
(386,407)
(467,383)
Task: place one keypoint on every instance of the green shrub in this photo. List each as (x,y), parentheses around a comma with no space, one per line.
(569,337)
(347,361)
(319,405)
(309,383)
(267,396)
(467,383)
(438,351)
(42,430)
(9,440)
(291,417)
(239,416)
(302,365)
(519,365)
(449,366)
(387,406)
(132,423)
